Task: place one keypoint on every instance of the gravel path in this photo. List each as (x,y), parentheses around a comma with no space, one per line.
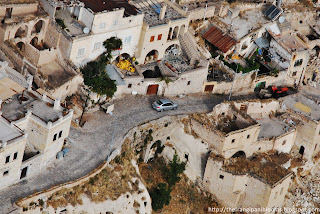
(90,145)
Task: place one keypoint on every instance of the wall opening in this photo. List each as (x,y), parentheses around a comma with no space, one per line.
(301,151)
(239,154)
(24,172)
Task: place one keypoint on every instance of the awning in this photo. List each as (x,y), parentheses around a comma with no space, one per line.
(219,39)
(262,42)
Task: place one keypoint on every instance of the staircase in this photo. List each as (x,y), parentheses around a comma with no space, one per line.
(165,71)
(189,46)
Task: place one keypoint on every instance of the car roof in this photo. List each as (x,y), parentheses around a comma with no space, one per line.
(165,101)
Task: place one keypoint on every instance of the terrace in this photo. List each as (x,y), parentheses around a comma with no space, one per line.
(7,132)
(274,127)
(259,166)
(18,106)
(151,10)
(225,119)
(69,23)
(303,105)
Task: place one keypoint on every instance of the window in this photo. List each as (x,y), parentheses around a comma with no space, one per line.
(115,22)
(232,140)
(151,38)
(127,40)
(275,195)
(129,85)
(80,52)
(248,136)
(60,134)
(298,62)
(102,25)
(97,46)
(294,73)
(54,137)
(188,82)
(6,173)
(159,36)
(15,155)
(221,176)
(7,159)
(284,142)
(281,191)
(315,147)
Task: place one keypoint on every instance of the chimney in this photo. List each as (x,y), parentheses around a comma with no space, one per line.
(4,144)
(279,3)
(163,11)
(56,104)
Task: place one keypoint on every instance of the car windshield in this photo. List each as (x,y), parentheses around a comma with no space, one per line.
(159,102)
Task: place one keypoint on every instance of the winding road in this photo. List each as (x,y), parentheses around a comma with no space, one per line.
(90,145)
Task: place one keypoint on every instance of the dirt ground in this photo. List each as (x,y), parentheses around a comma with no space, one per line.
(186,197)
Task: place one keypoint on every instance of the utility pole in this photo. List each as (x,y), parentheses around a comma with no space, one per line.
(205,11)
(233,82)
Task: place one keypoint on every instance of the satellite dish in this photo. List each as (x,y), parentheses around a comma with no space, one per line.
(86,30)
(281,19)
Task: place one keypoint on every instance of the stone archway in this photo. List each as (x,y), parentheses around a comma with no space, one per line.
(37,28)
(21,46)
(172,49)
(175,32)
(182,29)
(239,154)
(152,56)
(21,32)
(170,34)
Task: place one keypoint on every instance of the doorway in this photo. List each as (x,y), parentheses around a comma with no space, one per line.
(24,172)
(301,151)
(152,89)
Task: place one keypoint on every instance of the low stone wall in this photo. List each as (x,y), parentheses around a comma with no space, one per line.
(46,193)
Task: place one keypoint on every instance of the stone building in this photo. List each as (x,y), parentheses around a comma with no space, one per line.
(163,28)
(304,113)
(239,182)
(28,40)
(87,24)
(33,129)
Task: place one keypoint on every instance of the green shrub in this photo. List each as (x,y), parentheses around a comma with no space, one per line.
(160,196)
(175,168)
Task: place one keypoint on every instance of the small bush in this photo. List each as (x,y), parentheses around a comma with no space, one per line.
(160,196)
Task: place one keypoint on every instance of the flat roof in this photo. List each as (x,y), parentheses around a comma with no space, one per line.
(291,42)
(8,87)
(240,27)
(102,5)
(259,167)
(303,105)
(272,128)
(151,10)
(7,132)
(15,109)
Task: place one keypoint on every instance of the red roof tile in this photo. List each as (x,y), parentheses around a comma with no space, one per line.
(219,39)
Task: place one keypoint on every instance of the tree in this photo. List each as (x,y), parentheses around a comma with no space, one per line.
(97,79)
(112,43)
(176,167)
(160,196)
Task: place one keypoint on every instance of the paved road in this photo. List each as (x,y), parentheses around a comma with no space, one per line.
(91,145)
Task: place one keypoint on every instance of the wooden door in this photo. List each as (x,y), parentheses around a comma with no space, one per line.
(152,89)
(208,88)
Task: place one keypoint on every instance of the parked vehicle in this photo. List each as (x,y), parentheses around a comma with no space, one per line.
(272,91)
(164,104)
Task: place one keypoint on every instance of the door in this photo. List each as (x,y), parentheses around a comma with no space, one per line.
(167,106)
(208,88)
(152,89)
